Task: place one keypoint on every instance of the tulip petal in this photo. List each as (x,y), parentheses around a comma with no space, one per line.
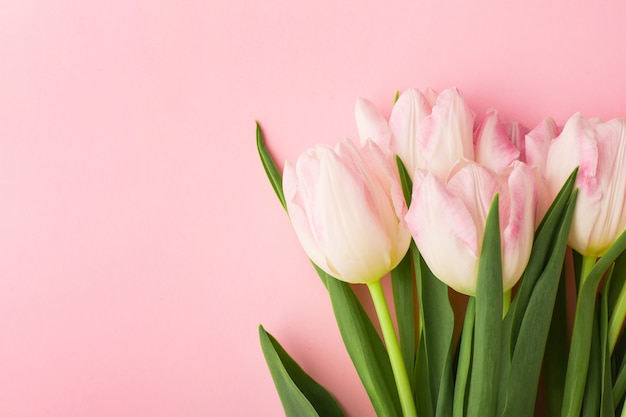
(357,247)
(611,175)
(518,231)
(371,124)
(406,116)
(296,208)
(445,136)
(493,147)
(577,146)
(444,232)
(476,186)
(537,143)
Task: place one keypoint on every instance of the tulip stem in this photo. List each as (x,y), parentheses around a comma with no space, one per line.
(587,265)
(393,349)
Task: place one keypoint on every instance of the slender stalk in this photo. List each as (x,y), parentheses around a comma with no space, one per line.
(617,318)
(587,265)
(393,349)
(506,303)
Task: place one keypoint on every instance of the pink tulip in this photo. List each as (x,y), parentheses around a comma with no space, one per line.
(347,208)
(447,221)
(536,146)
(599,150)
(426,130)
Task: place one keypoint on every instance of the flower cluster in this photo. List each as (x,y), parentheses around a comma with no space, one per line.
(479,201)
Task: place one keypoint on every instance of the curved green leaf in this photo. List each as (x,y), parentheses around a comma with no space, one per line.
(272,171)
(488,325)
(365,348)
(523,375)
(300,394)
(465,361)
(578,362)
(437,318)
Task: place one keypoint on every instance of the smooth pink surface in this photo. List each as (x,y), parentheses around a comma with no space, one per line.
(140,243)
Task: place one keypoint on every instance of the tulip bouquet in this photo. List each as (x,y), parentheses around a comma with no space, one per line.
(444,207)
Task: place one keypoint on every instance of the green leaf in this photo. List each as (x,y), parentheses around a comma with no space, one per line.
(300,394)
(272,171)
(542,247)
(488,326)
(557,346)
(578,362)
(437,319)
(404,303)
(523,375)
(619,387)
(405,180)
(592,394)
(465,361)
(365,347)
(606,399)
(423,398)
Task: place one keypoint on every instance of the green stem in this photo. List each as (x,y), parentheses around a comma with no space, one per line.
(587,265)
(617,318)
(506,303)
(393,349)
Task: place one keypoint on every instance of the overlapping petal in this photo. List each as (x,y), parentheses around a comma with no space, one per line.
(345,209)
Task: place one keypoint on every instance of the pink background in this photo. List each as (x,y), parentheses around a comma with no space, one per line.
(140,243)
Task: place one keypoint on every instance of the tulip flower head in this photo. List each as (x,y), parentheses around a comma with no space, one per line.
(426,130)
(347,209)
(599,150)
(447,221)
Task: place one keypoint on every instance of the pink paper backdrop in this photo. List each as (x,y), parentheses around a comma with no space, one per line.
(140,243)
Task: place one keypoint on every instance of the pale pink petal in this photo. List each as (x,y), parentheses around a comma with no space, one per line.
(444,232)
(575,146)
(537,143)
(493,147)
(406,116)
(518,231)
(516,133)
(446,135)
(299,219)
(371,124)
(476,186)
(611,174)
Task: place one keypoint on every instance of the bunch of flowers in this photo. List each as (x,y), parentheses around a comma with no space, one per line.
(488,212)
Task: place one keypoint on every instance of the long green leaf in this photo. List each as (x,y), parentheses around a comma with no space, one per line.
(557,346)
(423,398)
(578,361)
(300,394)
(488,327)
(465,361)
(272,171)
(592,395)
(365,348)
(542,247)
(437,318)
(606,399)
(523,378)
